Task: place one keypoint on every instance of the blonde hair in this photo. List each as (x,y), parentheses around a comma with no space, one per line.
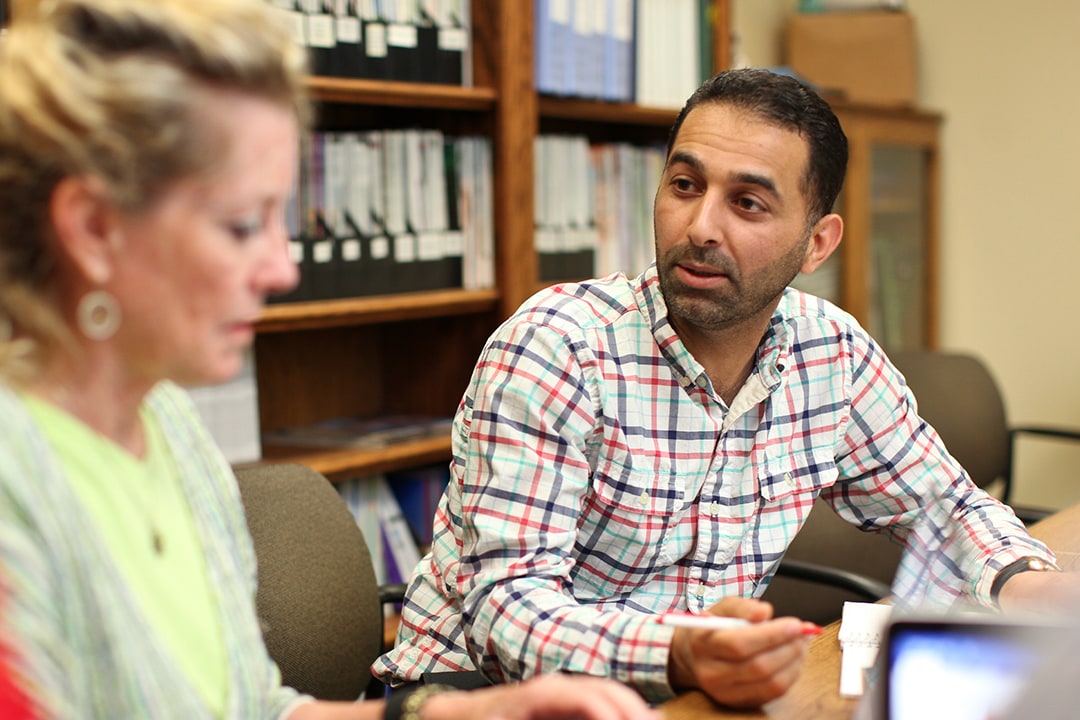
(107,89)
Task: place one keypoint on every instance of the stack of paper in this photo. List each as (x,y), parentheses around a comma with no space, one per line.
(861,628)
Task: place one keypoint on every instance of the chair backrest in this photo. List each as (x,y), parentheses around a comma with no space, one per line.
(317,598)
(826,539)
(958,396)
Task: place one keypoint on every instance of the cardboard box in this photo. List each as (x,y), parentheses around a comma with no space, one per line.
(866,56)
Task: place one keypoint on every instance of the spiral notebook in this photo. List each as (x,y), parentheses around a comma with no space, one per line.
(862,627)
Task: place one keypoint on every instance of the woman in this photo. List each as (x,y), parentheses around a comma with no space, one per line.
(147,151)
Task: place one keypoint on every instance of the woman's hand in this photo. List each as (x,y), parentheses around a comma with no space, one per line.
(548,697)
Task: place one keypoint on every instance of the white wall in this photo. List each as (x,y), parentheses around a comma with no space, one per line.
(1006,77)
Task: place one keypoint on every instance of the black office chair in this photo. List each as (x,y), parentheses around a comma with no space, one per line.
(318,601)
(828,563)
(958,396)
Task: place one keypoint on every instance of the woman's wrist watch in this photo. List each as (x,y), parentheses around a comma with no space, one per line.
(1025,564)
(405,705)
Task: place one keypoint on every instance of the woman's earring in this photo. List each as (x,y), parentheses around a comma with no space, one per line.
(98,315)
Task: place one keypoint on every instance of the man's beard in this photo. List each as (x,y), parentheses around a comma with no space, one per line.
(740,300)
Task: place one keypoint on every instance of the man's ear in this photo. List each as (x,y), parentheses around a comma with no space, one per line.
(824,239)
(85,224)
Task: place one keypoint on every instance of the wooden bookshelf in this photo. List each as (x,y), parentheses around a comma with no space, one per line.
(413,353)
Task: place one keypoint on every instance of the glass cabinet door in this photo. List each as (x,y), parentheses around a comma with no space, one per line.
(897,277)
(884,272)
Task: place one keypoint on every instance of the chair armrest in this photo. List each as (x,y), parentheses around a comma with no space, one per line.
(392,593)
(1029,515)
(866,587)
(1059,433)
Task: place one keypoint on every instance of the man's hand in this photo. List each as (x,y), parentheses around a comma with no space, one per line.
(740,667)
(1049,592)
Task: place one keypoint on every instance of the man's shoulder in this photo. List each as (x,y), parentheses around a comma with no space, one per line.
(587,304)
(796,305)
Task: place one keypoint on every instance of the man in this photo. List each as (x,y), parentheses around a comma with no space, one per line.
(631,447)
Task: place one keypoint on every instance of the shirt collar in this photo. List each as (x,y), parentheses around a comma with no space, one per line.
(772,354)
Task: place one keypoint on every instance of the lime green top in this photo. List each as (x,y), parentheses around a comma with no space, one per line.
(150,532)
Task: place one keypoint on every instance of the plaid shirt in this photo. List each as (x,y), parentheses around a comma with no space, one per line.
(599,479)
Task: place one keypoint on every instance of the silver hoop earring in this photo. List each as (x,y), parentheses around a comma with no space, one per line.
(98,315)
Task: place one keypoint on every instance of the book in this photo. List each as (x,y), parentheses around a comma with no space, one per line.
(862,626)
(402,555)
(418,492)
(360,496)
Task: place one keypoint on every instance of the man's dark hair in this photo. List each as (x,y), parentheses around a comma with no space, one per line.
(787,103)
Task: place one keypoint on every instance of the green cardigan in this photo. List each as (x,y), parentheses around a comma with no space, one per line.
(81,643)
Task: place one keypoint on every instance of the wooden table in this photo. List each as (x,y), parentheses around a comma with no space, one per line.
(816,694)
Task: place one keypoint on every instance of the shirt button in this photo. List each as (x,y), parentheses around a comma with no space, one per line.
(643,499)
(684,381)
(702,381)
(787,478)
(700,592)
(714,508)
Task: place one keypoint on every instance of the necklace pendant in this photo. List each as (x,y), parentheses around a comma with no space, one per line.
(159,546)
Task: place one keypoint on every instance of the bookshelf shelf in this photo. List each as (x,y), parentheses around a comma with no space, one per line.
(344,463)
(402,94)
(606,112)
(288,317)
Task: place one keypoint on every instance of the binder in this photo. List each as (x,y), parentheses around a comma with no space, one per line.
(324,262)
(380,267)
(349,58)
(619,51)
(412,271)
(321,40)
(452,43)
(374,42)
(403,44)
(407,271)
(355,275)
(554,49)
(428,215)
(321,263)
(586,76)
(426,56)
(335,190)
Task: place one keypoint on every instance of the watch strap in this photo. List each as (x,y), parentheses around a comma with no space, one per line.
(1024,564)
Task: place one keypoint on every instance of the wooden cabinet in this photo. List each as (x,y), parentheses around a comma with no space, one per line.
(885,271)
(414,353)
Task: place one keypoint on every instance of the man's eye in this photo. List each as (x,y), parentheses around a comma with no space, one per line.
(749,203)
(683,185)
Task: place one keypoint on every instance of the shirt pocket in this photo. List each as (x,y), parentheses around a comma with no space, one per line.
(788,485)
(628,517)
(796,475)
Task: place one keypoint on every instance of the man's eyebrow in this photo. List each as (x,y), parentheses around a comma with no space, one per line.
(685,158)
(762,181)
(746,178)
